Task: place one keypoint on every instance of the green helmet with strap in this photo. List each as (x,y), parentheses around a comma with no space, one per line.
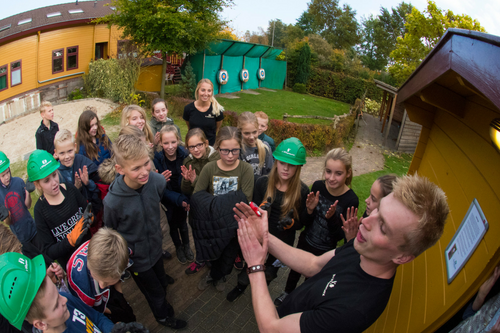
(20,279)
(41,164)
(4,162)
(291,151)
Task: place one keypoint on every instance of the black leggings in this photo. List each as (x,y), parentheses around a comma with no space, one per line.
(176,217)
(293,276)
(224,264)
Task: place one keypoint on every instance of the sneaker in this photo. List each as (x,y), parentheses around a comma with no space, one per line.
(238,263)
(194,268)
(173,323)
(220,285)
(180,254)
(235,293)
(280,299)
(205,282)
(125,276)
(166,255)
(189,254)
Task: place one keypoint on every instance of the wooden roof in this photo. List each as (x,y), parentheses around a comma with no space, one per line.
(464,63)
(386,87)
(29,22)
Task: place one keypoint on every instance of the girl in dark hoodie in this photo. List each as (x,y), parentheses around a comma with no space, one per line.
(170,158)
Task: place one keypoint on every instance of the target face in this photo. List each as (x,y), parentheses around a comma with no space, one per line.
(244,75)
(261,74)
(223,77)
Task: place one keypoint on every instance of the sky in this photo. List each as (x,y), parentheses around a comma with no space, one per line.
(249,15)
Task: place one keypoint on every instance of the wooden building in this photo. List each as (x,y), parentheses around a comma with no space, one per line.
(454,95)
(44,53)
(392,111)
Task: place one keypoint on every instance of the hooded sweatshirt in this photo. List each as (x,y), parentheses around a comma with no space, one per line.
(156,125)
(197,164)
(135,214)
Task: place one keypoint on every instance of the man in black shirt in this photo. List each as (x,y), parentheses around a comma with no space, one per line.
(348,287)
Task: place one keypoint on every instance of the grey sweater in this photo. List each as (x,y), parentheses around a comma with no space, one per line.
(136,216)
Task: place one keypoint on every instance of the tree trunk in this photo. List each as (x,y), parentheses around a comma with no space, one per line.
(164,71)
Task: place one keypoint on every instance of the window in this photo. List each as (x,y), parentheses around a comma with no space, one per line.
(24,21)
(54,14)
(126,49)
(15,73)
(57,61)
(3,77)
(75,11)
(72,58)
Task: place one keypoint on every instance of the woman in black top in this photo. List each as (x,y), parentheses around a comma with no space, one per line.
(205,113)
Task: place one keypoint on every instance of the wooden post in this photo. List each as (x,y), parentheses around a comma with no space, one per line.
(390,117)
(382,106)
(386,113)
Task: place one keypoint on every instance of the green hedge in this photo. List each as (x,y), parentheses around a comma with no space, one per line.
(340,87)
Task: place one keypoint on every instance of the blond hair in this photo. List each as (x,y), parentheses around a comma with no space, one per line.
(107,171)
(292,197)
(43,105)
(171,129)
(262,149)
(339,154)
(227,133)
(37,310)
(8,241)
(216,107)
(261,115)
(62,136)
(125,120)
(132,130)
(107,255)
(129,148)
(426,200)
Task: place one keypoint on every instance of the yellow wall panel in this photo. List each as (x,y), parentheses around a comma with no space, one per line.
(24,49)
(80,36)
(101,33)
(116,35)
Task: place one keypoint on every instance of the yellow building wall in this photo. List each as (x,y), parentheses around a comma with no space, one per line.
(457,156)
(149,78)
(81,36)
(24,49)
(101,33)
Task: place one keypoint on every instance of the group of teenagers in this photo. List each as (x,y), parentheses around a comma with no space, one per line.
(99,210)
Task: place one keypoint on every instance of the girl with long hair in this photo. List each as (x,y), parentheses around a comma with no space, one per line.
(91,140)
(136,116)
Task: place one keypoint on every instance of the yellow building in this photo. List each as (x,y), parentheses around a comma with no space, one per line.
(455,95)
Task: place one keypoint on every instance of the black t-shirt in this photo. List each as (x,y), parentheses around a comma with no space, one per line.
(207,121)
(287,236)
(340,298)
(174,179)
(324,233)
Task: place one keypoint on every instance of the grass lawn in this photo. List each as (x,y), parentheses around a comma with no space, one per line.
(275,104)
(361,185)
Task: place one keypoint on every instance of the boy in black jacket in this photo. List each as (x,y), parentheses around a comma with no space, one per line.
(131,208)
(47,131)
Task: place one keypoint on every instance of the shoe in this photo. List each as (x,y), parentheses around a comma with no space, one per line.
(180,254)
(166,255)
(280,299)
(238,263)
(188,253)
(235,293)
(205,282)
(173,323)
(220,285)
(170,280)
(194,268)
(125,276)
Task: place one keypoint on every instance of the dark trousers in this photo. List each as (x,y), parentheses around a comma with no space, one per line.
(224,264)
(293,276)
(153,284)
(121,311)
(176,217)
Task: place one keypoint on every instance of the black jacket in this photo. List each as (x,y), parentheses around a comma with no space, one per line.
(212,222)
(45,137)
(172,197)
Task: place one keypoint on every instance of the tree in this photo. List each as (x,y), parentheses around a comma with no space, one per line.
(228,33)
(259,37)
(337,25)
(279,29)
(306,23)
(321,47)
(424,31)
(303,64)
(188,83)
(369,48)
(170,26)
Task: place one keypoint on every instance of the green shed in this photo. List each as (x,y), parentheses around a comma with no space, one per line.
(234,56)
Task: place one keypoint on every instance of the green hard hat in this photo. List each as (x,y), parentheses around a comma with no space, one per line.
(4,162)
(41,164)
(20,278)
(291,151)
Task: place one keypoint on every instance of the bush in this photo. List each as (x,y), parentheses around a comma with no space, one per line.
(113,79)
(230,119)
(340,87)
(188,83)
(372,107)
(75,94)
(176,105)
(299,88)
